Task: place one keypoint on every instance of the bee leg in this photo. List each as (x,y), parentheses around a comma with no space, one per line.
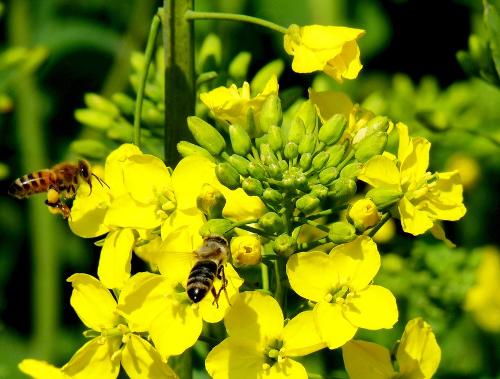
(221,275)
(60,207)
(216,297)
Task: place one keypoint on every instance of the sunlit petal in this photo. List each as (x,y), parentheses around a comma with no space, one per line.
(333,327)
(367,360)
(41,370)
(301,336)
(116,254)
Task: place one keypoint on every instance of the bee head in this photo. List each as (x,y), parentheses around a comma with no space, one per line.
(217,238)
(84,171)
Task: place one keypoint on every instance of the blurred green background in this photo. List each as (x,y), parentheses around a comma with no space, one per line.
(55,51)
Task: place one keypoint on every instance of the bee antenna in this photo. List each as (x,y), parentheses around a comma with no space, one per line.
(101,182)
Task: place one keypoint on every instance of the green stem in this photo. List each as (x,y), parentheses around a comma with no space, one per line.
(381,223)
(346,160)
(312,223)
(264,271)
(278,291)
(148,57)
(327,212)
(193,15)
(310,245)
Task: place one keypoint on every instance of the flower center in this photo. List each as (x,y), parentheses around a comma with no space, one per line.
(337,295)
(273,354)
(167,202)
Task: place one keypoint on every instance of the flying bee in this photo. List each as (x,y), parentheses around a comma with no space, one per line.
(211,258)
(63,178)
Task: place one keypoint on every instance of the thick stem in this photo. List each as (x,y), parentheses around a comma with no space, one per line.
(381,223)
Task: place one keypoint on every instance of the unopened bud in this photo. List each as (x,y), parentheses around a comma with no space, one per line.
(308,144)
(271,223)
(274,171)
(319,190)
(307,112)
(297,131)
(376,124)
(371,146)
(364,214)
(319,161)
(305,161)
(239,163)
(89,148)
(217,226)
(211,201)
(341,232)
(125,103)
(251,126)
(337,153)
(206,135)
(384,197)
(227,175)
(333,129)
(291,150)
(252,187)
(238,67)
(307,203)
(272,196)
(342,189)
(257,171)
(187,148)
(270,113)
(274,138)
(100,103)
(246,250)
(351,171)
(285,245)
(267,155)
(94,118)
(328,175)
(283,165)
(240,140)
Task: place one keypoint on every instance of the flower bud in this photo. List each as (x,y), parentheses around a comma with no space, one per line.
(227,175)
(371,146)
(342,189)
(271,223)
(257,171)
(375,124)
(319,190)
(272,196)
(308,144)
(301,182)
(270,114)
(211,201)
(89,148)
(307,203)
(297,131)
(238,67)
(283,165)
(351,171)
(364,214)
(384,197)
(94,118)
(100,103)
(251,126)
(274,138)
(328,175)
(125,103)
(240,140)
(187,148)
(274,171)
(239,163)
(206,135)
(341,232)
(267,155)
(218,226)
(305,161)
(307,112)
(291,150)
(246,250)
(285,245)
(252,187)
(333,129)
(319,161)
(337,153)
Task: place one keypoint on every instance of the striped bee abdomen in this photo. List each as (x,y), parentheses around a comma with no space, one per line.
(33,183)
(201,279)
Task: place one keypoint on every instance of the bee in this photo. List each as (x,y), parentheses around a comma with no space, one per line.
(63,178)
(211,258)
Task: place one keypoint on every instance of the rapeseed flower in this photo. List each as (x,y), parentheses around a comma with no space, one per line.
(259,344)
(339,284)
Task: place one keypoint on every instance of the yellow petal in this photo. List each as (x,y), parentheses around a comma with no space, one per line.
(141,361)
(367,360)
(414,166)
(231,357)
(373,308)
(92,302)
(239,206)
(413,220)
(254,317)
(357,262)
(444,199)
(301,336)
(176,328)
(312,275)
(286,369)
(116,254)
(180,231)
(418,352)
(143,298)
(329,103)
(113,168)
(41,370)
(334,328)
(95,360)
(404,146)
(125,212)
(380,171)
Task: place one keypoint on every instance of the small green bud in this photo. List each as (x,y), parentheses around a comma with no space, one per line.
(120,131)
(218,226)
(319,161)
(274,138)
(384,197)
(351,171)
(332,130)
(307,203)
(252,187)
(151,115)
(307,112)
(371,146)
(342,189)
(272,196)
(305,161)
(209,54)
(267,155)
(227,175)
(187,148)
(285,245)
(206,135)
(240,140)
(100,103)
(328,175)
(270,113)
(238,68)
(239,163)
(283,165)
(94,119)
(211,201)
(308,144)
(319,190)
(297,131)
(271,223)
(89,148)
(251,124)
(377,124)
(341,232)
(337,153)
(125,103)
(301,183)
(260,140)
(288,182)
(257,171)
(291,150)
(275,171)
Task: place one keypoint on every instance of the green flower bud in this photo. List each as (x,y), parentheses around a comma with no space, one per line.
(307,203)
(371,146)
(377,124)
(94,119)
(267,155)
(272,196)
(275,171)
(257,171)
(239,163)
(302,183)
(308,144)
(210,54)
(384,197)
(341,232)
(351,171)
(285,245)
(252,187)
(238,68)
(305,161)
(240,140)
(319,190)
(270,113)
(271,223)
(319,161)
(291,150)
(218,226)
(227,175)
(187,148)
(307,112)
(328,175)
(121,131)
(337,153)
(89,148)
(288,182)
(332,130)
(274,138)
(125,103)
(206,135)
(211,201)
(151,115)
(297,131)
(342,189)
(283,165)
(260,140)
(99,103)
(251,124)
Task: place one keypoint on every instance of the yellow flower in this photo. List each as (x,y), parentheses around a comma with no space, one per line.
(364,214)
(418,355)
(425,197)
(259,344)
(329,103)
(246,249)
(483,299)
(386,233)
(468,167)
(232,104)
(339,284)
(331,49)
